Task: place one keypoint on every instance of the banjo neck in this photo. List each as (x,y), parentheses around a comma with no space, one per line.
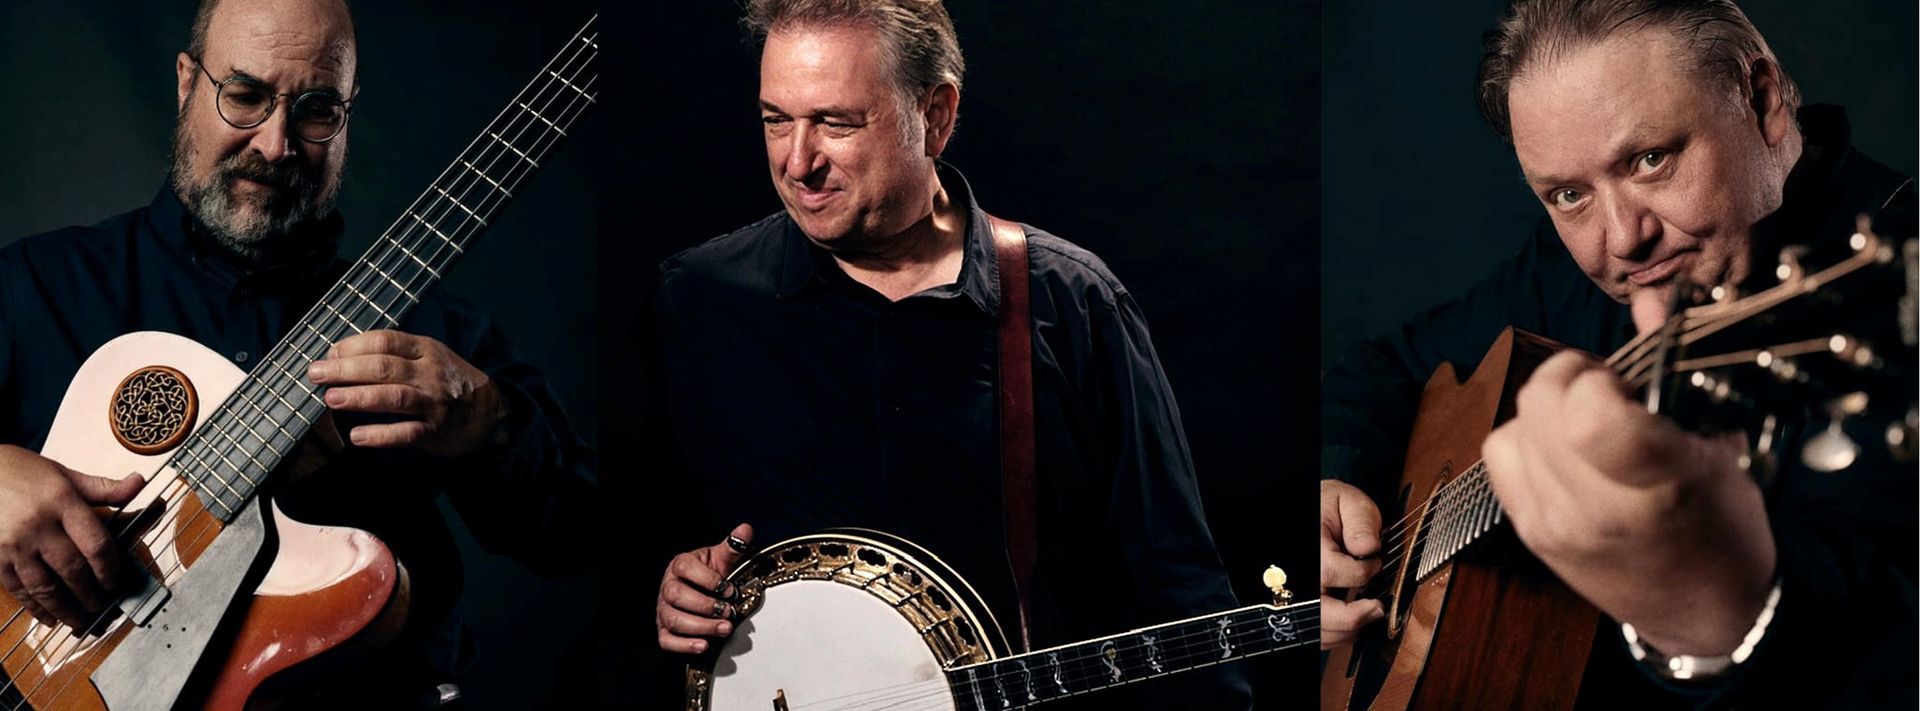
(1107,662)
(229,457)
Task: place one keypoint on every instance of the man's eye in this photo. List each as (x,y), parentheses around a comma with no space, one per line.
(1651,160)
(1565,198)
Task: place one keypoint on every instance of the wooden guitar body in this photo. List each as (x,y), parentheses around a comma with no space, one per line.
(305,592)
(1492,630)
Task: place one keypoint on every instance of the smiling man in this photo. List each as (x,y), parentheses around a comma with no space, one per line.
(239,242)
(1667,146)
(836,364)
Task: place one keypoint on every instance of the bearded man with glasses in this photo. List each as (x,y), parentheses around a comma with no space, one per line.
(239,242)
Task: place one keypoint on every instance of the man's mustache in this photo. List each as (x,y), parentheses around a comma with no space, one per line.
(287,176)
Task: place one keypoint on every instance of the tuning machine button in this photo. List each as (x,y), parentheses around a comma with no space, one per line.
(1276,580)
(1832,450)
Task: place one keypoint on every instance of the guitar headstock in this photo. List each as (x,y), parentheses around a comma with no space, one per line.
(1830,340)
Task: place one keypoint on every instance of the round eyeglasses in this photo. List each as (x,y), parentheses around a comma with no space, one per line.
(244,102)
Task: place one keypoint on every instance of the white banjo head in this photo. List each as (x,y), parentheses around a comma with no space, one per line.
(844,620)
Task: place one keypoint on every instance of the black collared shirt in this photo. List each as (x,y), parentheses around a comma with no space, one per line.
(65,293)
(794,398)
(1846,540)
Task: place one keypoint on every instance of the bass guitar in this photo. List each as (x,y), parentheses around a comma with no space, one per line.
(232,600)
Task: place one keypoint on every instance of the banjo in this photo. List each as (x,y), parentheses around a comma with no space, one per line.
(857,620)
(233,603)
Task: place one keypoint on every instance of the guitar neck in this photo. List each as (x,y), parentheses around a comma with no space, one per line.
(254,430)
(1086,667)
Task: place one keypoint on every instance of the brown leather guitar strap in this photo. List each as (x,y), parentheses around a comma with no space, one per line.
(1017,461)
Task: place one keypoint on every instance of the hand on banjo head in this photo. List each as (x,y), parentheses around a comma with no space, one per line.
(695,600)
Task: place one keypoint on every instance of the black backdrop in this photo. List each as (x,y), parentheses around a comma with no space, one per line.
(87,110)
(1178,141)
(1422,196)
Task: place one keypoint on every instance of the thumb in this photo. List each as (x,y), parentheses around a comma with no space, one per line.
(728,553)
(101,491)
(1650,308)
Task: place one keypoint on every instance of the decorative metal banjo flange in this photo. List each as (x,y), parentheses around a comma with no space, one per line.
(888,574)
(152,410)
(946,624)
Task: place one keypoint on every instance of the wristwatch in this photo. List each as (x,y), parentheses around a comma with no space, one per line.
(1689,667)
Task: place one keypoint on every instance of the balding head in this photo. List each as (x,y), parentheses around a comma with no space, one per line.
(253,186)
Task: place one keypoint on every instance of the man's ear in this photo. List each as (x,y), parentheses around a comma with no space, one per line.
(941,110)
(1766,95)
(185,71)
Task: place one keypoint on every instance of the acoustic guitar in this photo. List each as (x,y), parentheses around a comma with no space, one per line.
(1472,620)
(231,600)
(850,619)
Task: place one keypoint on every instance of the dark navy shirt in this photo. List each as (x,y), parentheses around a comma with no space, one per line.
(1843,634)
(67,292)
(794,398)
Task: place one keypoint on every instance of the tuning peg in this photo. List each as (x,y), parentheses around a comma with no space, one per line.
(1276,580)
(1902,436)
(1832,450)
(1790,267)
(1852,350)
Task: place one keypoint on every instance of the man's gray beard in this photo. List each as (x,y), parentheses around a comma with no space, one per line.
(301,201)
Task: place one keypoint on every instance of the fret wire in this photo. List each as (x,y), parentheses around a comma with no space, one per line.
(192,460)
(236,446)
(369,301)
(1131,657)
(1088,678)
(242,449)
(456,203)
(200,483)
(396,284)
(516,151)
(215,471)
(570,85)
(268,416)
(537,115)
(342,317)
(476,171)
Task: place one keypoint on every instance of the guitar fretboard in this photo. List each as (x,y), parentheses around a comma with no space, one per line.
(247,437)
(1072,670)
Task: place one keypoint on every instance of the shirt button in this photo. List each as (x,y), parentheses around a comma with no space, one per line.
(240,357)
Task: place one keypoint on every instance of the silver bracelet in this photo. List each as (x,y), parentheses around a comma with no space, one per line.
(1688,667)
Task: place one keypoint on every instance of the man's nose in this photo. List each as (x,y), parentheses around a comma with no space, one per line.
(273,139)
(803,155)
(1631,227)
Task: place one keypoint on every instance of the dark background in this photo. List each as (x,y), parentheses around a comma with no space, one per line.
(87,109)
(1177,141)
(1421,198)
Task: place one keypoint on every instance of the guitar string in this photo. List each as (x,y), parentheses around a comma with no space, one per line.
(562,89)
(1306,619)
(542,148)
(1086,667)
(1637,361)
(1091,668)
(1402,534)
(520,134)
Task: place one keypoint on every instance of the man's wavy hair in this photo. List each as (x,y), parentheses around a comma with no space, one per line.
(1715,37)
(921,44)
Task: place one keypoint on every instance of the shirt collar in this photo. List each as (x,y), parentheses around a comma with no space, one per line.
(182,233)
(805,266)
